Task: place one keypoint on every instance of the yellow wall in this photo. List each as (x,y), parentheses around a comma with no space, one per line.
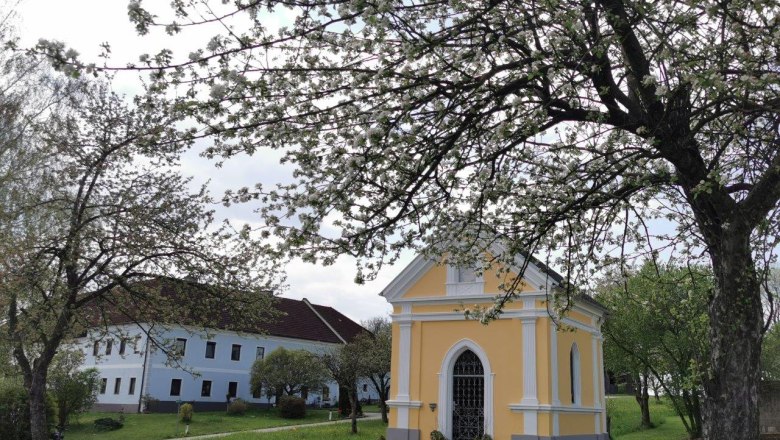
(505,361)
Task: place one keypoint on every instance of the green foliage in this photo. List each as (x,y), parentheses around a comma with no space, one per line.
(108,424)
(15,410)
(292,407)
(237,407)
(437,435)
(287,372)
(74,390)
(658,325)
(770,354)
(185,412)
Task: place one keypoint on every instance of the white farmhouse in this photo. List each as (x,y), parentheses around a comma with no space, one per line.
(132,370)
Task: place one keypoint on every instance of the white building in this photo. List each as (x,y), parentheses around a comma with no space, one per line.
(214,367)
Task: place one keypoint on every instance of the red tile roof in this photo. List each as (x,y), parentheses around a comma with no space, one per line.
(296,319)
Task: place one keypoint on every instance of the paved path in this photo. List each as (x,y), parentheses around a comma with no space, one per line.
(367,416)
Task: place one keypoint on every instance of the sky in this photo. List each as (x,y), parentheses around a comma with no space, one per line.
(84,24)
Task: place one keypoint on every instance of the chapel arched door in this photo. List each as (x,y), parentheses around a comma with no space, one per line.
(468,397)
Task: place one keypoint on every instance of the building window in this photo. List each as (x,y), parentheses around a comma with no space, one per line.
(122,346)
(260,353)
(103,385)
(235,352)
(175,387)
(211,349)
(467,275)
(131,389)
(257,392)
(574,374)
(96,348)
(137,344)
(205,389)
(365,388)
(325,393)
(180,346)
(305,393)
(232,389)
(117,385)
(109,344)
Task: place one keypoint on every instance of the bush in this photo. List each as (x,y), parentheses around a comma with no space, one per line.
(484,437)
(237,407)
(15,411)
(185,413)
(108,424)
(291,407)
(437,435)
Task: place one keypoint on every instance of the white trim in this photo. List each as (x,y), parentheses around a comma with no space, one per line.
(521,314)
(602,389)
(575,374)
(404,403)
(556,401)
(486,297)
(519,407)
(530,396)
(404,360)
(462,289)
(594,356)
(556,428)
(445,390)
(408,276)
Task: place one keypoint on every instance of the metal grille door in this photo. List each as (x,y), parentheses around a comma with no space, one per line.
(468,397)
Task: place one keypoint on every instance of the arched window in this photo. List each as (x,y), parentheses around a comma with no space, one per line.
(574,374)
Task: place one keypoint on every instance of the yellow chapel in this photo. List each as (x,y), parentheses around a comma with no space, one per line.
(521,377)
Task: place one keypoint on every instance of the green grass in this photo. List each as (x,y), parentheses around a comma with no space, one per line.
(367,430)
(162,426)
(625,420)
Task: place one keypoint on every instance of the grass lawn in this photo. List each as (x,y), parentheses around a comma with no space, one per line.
(162,426)
(625,420)
(367,430)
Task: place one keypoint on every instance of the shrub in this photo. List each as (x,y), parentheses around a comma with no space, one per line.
(437,435)
(149,402)
(108,424)
(483,437)
(291,407)
(15,411)
(237,407)
(185,413)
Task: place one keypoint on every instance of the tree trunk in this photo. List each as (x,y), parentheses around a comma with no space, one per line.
(643,399)
(39,426)
(730,407)
(383,409)
(353,413)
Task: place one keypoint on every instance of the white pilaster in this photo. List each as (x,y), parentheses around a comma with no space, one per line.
(602,387)
(554,364)
(530,395)
(596,381)
(404,365)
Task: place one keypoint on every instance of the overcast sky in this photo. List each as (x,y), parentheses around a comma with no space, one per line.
(84,24)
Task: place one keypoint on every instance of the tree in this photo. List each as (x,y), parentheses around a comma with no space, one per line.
(74,390)
(287,372)
(97,210)
(376,348)
(347,363)
(562,129)
(656,331)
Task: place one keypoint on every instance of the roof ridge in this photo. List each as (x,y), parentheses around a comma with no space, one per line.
(325,321)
